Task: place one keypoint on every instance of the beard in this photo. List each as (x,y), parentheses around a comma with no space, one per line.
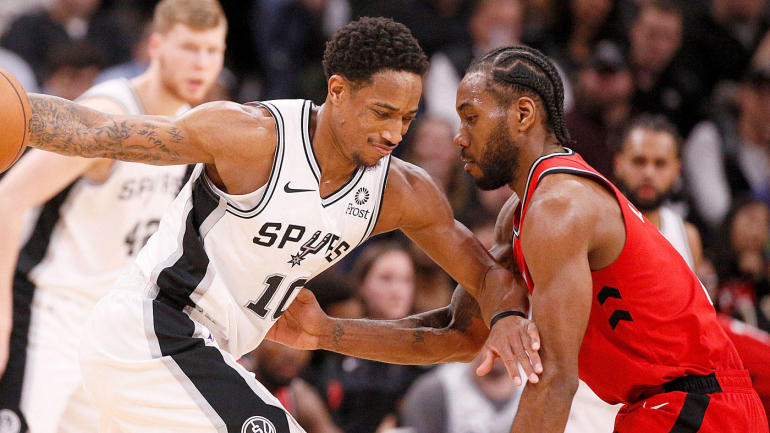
(499,160)
(644,205)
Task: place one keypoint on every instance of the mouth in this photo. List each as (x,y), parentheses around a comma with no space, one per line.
(194,84)
(383,148)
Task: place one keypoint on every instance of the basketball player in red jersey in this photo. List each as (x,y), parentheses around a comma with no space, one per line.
(614,302)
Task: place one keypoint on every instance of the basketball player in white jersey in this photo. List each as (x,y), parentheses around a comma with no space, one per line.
(283,190)
(96,216)
(646,167)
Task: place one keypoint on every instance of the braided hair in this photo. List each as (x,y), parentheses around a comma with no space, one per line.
(516,70)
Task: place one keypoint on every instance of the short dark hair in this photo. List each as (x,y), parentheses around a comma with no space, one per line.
(651,122)
(520,70)
(369,45)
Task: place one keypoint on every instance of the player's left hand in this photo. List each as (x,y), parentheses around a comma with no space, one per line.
(301,325)
(516,341)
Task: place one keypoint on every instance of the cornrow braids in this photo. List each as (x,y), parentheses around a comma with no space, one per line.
(519,69)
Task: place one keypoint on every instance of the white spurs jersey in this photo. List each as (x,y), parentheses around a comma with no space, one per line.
(90,233)
(234,263)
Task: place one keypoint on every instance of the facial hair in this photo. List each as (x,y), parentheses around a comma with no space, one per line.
(645,205)
(499,160)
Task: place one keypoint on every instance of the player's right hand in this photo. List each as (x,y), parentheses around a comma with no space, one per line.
(516,341)
(301,325)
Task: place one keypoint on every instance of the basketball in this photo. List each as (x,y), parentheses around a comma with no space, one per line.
(15,114)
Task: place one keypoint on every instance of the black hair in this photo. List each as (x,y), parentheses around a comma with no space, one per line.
(651,122)
(520,70)
(369,45)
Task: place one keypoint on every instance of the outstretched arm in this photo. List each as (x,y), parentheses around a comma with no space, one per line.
(68,128)
(448,334)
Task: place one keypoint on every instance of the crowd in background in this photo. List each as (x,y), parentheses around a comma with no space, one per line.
(703,64)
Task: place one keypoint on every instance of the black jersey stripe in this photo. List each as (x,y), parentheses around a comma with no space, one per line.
(223,389)
(31,254)
(177,282)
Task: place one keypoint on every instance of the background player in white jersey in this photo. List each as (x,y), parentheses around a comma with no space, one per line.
(243,236)
(96,216)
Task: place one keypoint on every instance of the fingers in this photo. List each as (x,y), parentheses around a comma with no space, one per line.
(532,345)
(488,358)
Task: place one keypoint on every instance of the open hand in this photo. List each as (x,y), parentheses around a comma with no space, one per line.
(515,340)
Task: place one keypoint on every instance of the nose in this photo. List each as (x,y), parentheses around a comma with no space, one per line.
(460,140)
(392,132)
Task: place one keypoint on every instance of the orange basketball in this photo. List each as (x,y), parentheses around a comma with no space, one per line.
(15,114)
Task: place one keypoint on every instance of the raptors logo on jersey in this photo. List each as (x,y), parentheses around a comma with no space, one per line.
(243,258)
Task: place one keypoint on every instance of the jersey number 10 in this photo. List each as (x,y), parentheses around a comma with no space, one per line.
(272,284)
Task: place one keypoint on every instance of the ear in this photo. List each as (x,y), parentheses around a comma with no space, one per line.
(153,44)
(526,112)
(339,89)
(617,164)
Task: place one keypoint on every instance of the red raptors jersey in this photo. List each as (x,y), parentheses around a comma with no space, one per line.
(651,320)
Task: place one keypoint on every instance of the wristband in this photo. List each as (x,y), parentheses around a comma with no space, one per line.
(503,314)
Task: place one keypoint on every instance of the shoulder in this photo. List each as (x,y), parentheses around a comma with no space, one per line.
(563,205)
(226,126)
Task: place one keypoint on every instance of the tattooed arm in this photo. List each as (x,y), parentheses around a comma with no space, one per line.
(449,334)
(64,127)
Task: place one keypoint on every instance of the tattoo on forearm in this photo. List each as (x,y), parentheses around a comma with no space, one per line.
(337,333)
(64,127)
(418,337)
(465,310)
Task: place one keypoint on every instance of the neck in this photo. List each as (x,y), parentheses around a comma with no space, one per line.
(156,98)
(527,157)
(336,166)
(654,216)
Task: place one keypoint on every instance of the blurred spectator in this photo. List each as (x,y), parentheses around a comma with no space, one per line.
(720,40)
(492,24)
(580,25)
(277,367)
(287,34)
(140,59)
(363,395)
(743,264)
(647,167)
(727,157)
(432,148)
(453,399)
(336,296)
(71,69)
(435,23)
(38,35)
(19,69)
(602,105)
(10,9)
(663,84)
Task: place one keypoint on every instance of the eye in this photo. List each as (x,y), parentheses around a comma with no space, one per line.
(470,119)
(380,114)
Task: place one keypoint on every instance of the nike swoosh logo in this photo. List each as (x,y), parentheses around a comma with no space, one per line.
(289,189)
(658,406)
